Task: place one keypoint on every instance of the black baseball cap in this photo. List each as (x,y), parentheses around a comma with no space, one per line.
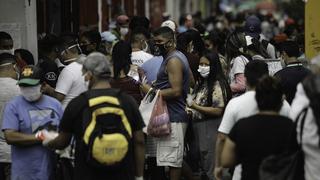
(7,58)
(30,76)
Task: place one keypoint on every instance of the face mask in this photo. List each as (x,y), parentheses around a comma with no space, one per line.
(84,49)
(146,46)
(204,71)
(10,51)
(162,50)
(124,31)
(32,93)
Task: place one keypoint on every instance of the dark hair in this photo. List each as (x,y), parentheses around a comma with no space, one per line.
(216,74)
(5,36)
(137,32)
(66,41)
(218,39)
(198,43)
(25,55)
(254,71)
(48,44)
(311,85)
(234,43)
(166,32)
(7,58)
(139,21)
(121,57)
(258,48)
(269,94)
(291,48)
(183,40)
(93,36)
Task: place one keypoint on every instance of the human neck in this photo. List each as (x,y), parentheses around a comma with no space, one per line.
(8,74)
(101,85)
(268,112)
(291,60)
(135,48)
(250,88)
(170,51)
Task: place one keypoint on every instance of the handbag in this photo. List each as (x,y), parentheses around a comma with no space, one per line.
(147,105)
(288,165)
(159,125)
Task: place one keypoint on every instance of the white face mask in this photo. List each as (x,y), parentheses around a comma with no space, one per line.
(10,51)
(31,93)
(146,47)
(204,71)
(124,31)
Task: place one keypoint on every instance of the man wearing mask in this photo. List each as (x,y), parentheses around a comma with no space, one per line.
(23,117)
(173,82)
(122,27)
(139,46)
(8,89)
(97,72)
(70,82)
(90,41)
(6,43)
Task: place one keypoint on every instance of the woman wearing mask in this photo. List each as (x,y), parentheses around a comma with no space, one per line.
(210,96)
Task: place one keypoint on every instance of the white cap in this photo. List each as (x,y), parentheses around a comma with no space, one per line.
(170,24)
(108,36)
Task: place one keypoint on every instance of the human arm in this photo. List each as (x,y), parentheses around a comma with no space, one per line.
(228,156)
(14,137)
(240,83)
(46,88)
(221,138)
(175,73)
(139,152)
(60,142)
(209,111)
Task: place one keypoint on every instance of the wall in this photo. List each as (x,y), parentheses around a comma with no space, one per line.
(18,18)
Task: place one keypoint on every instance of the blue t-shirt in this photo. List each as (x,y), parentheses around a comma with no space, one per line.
(31,162)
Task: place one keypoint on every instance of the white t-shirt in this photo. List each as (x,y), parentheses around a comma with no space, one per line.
(238,65)
(310,137)
(8,90)
(140,57)
(242,107)
(71,82)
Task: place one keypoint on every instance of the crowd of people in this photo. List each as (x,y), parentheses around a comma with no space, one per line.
(74,112)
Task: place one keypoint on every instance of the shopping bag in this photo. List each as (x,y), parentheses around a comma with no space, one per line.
(159,125)
(146,106)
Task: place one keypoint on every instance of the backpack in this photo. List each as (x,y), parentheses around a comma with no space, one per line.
(107,133)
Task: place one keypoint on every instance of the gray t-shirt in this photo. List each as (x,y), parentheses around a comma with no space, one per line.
(8,90)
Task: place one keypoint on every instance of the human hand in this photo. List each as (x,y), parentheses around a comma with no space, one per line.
(190,100)
(47,89)
(46,136)
(217,173)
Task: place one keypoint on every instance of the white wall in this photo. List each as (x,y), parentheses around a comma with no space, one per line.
(19,18)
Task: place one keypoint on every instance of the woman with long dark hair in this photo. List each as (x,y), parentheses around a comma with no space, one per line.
(211,94)
(121,57)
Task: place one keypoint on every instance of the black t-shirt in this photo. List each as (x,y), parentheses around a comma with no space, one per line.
(72,122)
(50,70)
(290,77)
(257,137)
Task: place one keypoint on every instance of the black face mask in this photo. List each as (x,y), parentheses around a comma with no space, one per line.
(160,49)
(84,49)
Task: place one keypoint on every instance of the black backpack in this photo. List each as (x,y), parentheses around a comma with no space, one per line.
(107,131)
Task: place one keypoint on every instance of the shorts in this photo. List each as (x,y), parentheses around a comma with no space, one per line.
(170,148)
